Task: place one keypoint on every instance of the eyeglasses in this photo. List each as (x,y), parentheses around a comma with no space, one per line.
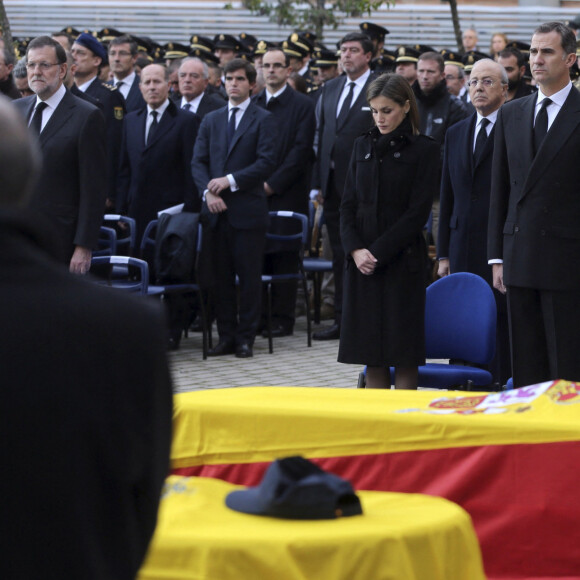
(43,66)
(485,82)
(275,65)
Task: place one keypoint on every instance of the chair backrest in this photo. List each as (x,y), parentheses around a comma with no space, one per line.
(288,232)
(107,242)
(128,239)
(127,282)
(460,319)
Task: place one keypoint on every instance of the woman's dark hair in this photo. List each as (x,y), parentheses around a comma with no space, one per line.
(396,88)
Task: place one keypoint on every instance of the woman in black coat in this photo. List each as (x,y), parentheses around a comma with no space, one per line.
(387,197)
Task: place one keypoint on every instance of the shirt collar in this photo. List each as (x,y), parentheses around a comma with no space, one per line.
(194,102)
(558,98)
(54,100)
(242,106)
(128,80)
(492,117)
(85,86)
(360,82)
(160,109)
(277,94)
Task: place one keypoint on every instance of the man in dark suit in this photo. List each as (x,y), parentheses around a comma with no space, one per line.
(156,154)
(71,189)
(287,188)
(193,78)
(123,52)
(533,240)
(84,410)
(88,56)
(234,155)
(343,115)
(465,190)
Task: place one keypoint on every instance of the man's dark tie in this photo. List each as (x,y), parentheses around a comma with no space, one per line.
(119,84)
(232,124)
(272,103)
(342,115)
(480,141)
(541,126)
(36,123)
(186,107)
(153,127)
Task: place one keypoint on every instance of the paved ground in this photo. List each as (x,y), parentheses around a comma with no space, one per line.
(293,363)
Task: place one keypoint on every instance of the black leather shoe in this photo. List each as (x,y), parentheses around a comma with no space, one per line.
(278,331)
(221,349)
(244,350)
(330,333)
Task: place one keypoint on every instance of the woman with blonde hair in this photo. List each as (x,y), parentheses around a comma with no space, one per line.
(498,42)
(393,176)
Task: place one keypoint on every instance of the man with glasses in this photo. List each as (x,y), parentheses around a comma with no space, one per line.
(72,186)
(465,190)
(122,59)
(287,188)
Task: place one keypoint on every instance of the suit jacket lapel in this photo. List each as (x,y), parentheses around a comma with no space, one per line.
(61,114)
(334,98)
(466,144)
(243,125)
(165,125)
(565,123)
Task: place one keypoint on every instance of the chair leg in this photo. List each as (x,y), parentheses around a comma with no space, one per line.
(317,286)
(361,383)
(269,321)
(308,320)
(204,317)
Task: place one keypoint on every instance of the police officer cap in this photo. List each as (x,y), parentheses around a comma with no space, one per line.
(108,34)
(204,55)
(521,46)
(71,31)
(90,42)
(325,58)
(226,41)
(175,50)
(407,54)
(248,41)
(574,24)
(471,57)
(374,31)
(201,42)
(451,57)
(262,46)
(294,49)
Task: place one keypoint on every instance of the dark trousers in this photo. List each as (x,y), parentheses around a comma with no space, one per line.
(238,252)
(544,335)
(332,220)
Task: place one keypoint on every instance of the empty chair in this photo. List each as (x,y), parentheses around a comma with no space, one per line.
(126,230)
(107,242)
(286,243)
(460,321)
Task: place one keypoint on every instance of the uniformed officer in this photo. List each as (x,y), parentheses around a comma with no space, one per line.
(88,55)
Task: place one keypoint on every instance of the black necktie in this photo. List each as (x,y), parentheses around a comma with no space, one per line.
(119,84)
(345,106)
(186,107)
(232,124)
(480,141)
(36,123)
(153,127)
(541,126)
(271,103)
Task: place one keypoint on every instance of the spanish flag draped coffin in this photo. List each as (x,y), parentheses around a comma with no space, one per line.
(511,459)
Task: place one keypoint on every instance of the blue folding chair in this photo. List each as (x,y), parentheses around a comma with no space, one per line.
(460,322)
(286,242)
(127,238)
(135,278)
(107,242)
(315,265)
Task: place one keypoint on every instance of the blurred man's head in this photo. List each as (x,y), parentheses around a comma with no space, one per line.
(470,39)
(155,85)
(430,71)
(19,158)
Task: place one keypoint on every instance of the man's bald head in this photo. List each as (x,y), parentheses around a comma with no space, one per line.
(19,158)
